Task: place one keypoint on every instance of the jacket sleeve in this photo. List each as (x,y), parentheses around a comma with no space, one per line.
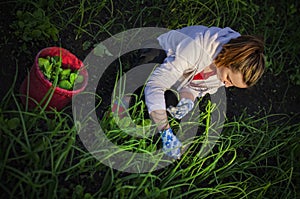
(165,75)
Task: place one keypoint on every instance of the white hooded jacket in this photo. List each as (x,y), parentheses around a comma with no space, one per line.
(189,51)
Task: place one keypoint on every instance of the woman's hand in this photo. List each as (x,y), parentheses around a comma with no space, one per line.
(183,107)
(171,145)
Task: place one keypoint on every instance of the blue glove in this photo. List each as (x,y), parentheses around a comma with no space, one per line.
(183,107)
(171,145)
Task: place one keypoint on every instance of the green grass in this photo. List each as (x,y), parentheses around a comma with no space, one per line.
(43,157)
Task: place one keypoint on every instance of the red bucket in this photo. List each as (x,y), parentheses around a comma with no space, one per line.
(39,86)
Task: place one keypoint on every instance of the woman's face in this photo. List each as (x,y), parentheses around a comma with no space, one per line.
(230,78)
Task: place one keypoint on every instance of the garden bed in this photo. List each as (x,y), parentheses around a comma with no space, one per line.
(256,156)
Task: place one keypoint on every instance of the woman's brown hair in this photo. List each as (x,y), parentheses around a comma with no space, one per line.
(244,54)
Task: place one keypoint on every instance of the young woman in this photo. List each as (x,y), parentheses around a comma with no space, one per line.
(200,60)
